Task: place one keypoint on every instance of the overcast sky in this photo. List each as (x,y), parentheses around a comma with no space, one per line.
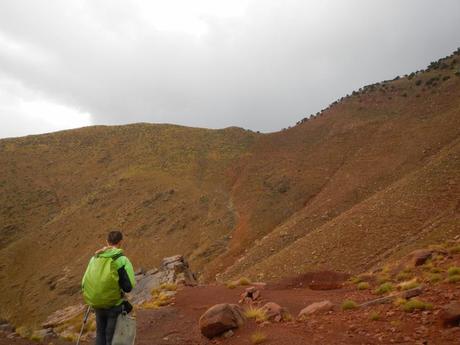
(257,64)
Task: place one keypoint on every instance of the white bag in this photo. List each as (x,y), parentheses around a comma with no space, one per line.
(125,330)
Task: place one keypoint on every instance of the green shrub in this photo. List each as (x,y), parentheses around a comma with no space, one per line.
(403,276)
(434,278)
(415,304)
(363,286)
(452,271)
(349,304)
(375,316)
(384,288)
(355,280)
(453,278)
(454,250)
(258,337)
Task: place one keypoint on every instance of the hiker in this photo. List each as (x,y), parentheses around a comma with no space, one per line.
(108,276)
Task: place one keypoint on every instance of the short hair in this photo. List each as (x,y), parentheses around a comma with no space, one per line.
(114,237)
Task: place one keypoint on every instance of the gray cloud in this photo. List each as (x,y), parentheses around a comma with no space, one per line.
(264,70)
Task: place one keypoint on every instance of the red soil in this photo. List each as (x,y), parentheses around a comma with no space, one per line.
(178,324)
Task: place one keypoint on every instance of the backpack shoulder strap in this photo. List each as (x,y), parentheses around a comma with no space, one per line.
(119,255)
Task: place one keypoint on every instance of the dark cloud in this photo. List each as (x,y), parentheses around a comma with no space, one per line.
(263,70)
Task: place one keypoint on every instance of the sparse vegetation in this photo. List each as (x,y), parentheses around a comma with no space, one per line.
(375,316)
(243,281)
(434,278)
(453,271)
(454,250)
(231,285)
(415,304)
(399,301)
(363,286)
(169,286)
(255,313)
(349,304)
(258,337)
(453,278)
(408,285)
(384,288)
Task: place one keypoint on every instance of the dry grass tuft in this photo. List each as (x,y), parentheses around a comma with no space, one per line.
(416,304)
(349,304)
(384,288)
(363,286)
(258,337)
(257,314)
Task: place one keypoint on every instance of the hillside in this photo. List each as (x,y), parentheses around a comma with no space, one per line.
(368,179)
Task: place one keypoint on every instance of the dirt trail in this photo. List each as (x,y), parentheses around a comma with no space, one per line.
(178,324)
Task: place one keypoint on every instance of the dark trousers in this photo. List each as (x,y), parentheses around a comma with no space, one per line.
(106,320)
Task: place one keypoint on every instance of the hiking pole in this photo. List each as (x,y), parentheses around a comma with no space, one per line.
(85,319)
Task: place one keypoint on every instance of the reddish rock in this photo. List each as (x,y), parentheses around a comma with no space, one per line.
(221,318)
(274,311)
(316,308)
(450,314)
(420,256)
(250,295)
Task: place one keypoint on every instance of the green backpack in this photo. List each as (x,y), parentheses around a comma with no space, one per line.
(100,284)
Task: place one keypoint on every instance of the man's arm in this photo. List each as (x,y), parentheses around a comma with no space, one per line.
(126,276)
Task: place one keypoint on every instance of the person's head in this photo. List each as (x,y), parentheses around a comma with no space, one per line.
(114,238)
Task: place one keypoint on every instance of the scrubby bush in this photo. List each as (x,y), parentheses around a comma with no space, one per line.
(453,278)
(244,281)
(418,82)
(402,276)
(452,271)
(399,301)
(363,286)
(349,304)
(434,278)
(258,337)
(415,304)
(231,285)
(454,250)
(375,316)
(257,314)
(384,288)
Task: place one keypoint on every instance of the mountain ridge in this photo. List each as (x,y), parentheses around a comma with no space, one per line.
(235,202)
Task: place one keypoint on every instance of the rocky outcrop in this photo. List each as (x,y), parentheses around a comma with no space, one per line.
(173,270)
(221,318)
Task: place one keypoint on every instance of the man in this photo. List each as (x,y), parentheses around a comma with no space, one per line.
(108,276)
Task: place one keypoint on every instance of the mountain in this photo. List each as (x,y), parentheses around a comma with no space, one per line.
(368,179)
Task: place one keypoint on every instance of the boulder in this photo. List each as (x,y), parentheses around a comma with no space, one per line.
(250,295)
(316,307)
(450,314)
(221,318)
(274,312)
(420,256)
